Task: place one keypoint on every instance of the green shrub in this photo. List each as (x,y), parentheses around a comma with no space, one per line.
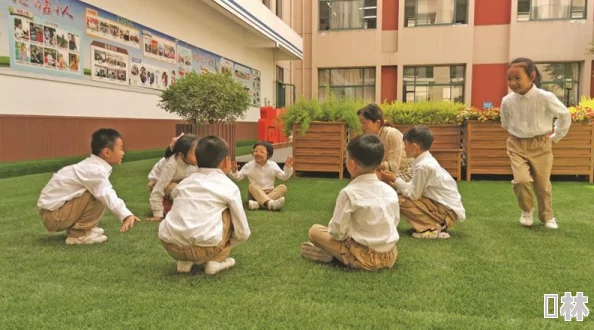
(423,113)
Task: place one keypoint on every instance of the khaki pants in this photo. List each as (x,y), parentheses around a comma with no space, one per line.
(351,253)
(531,163)
(262,196)
(425,214)
(78,216)
(203,254)
(168,189)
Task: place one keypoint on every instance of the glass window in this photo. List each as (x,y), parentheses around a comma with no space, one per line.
(347,14)
(534,10)
(279,8)
(561,79)
(435,12)
(434,83)
(347,83)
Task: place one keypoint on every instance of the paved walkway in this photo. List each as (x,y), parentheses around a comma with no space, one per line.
(279,156)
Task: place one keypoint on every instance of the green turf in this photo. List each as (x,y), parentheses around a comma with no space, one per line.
(491,274)
(4,61)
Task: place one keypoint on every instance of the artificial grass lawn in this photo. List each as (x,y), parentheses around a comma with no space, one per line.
(492,273)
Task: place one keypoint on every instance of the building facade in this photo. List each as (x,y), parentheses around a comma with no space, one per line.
(458,50)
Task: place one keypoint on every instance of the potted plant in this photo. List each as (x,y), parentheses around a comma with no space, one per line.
(443,118)
(486,151)
(209,102)
(320,132)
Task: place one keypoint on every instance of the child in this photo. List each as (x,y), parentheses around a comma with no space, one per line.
(262,172)
(76,196)
(155,173)
(178,166)
(207,218)
(430,202)
(528,114)
(362,233)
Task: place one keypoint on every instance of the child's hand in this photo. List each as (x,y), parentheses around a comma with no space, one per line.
(153,219)
(387,177)
(289,162)
(128,223)
(172,144)
(233,167)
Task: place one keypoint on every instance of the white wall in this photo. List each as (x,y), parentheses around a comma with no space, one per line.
(191,21)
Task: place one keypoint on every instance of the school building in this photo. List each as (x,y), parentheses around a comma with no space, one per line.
(51,114)
(412,50)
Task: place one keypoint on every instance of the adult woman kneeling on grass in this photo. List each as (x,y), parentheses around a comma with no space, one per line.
(395,160)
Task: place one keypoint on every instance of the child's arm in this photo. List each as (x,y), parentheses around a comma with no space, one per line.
(156,198)
(241,229)
(239,175)
(503,114)
(563,122)
(285,174)
(413,189)
(341,219)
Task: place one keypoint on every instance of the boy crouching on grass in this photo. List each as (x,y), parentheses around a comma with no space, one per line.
(207,218)
(362,232)
(76,196)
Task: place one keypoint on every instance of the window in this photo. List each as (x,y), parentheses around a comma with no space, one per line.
(280,74)
(279,8)
(561,79)
(347,14)
(434,83)
(534,10)
(347,83)
(435,12)
(266,3)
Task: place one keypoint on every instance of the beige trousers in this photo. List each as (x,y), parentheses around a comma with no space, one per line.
(425,214)
(203,254)
(168,189)
(531,163)
(351,253)
(262,196)
(78,216)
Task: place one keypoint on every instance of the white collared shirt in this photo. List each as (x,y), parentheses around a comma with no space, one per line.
(174,170)
(92,175)
(156,171)
(196,215)
(367,211)
(532,114)
(432,181)
(263,176)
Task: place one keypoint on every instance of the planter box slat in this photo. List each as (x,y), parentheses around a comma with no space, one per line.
(321,148)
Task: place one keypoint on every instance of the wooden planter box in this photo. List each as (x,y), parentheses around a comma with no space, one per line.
(447,147)
(226,131)
(321,148)
(486,151)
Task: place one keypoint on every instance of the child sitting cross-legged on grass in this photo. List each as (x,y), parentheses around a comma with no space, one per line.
(207,218)
(262,172)
(362,232)
(430,202)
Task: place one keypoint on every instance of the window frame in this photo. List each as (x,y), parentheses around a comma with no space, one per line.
(429,84)
(279,9)
(330,87)
(566,70)
(349,28)
(530,19)
(439,24)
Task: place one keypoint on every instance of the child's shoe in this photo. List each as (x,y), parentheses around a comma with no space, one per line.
(526,218)
(213,267)
(90,238)
(431,234)
(312,252)
(551,224)
(98,230)
(276,204)
(253,205)
(184,266)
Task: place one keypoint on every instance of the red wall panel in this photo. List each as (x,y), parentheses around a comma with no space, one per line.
(489,84)
(389,83)
(492,12)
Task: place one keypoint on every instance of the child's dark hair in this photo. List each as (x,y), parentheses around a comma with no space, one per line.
(184,144)
(372,112)
(268,146)
(367,151)
(104,138)
(168,152)
(420,135)
(529,68)
(211,151)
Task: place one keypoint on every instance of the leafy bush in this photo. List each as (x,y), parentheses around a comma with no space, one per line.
(484,115)
(303,112)
(423,113)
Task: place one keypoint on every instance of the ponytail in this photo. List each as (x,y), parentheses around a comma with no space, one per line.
(529,68)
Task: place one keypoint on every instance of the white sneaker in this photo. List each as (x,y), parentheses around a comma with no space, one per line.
(91,238)
(526,218)
(276,204)
(253,205)
(551,224)
(184,266)
(98,230)
(213,267)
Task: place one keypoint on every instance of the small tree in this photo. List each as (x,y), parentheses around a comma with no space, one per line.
(206,98)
